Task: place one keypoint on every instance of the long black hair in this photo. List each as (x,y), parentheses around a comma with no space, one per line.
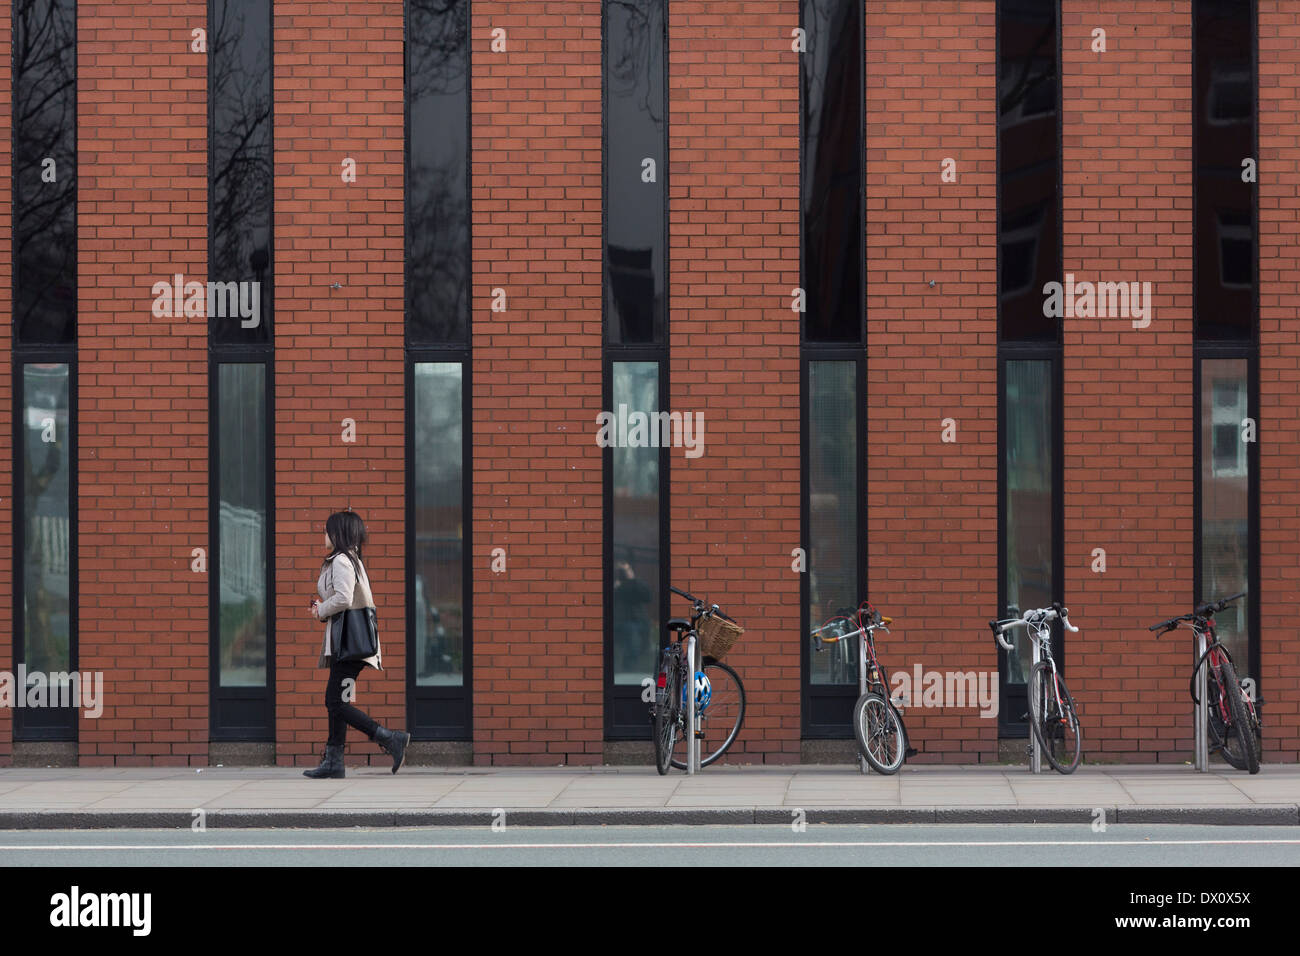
(347,533)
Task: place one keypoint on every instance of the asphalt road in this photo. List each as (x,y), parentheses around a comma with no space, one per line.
(814,845)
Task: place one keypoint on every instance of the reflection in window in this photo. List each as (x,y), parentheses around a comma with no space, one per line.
(1028,535)
(1225,500)
(833,229)
(635,139)
(46,508)
(832,503)
(1223,102)
(240,188)
(242,503)
(439,558)
(437,180)
(635,543)
(45,171)
(1028,167)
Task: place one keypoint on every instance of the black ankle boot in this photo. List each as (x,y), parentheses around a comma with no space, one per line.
(330,766)
(393,742)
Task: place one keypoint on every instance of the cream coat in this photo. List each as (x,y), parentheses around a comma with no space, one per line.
(340,589)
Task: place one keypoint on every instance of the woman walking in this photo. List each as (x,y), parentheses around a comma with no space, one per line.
(343,584)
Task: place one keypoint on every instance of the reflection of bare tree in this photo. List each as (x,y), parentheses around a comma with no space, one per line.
(634,52)
(241,174)
(44,124)
(437,240)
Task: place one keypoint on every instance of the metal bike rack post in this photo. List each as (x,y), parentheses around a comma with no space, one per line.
(863,766)
(1035,754)
(1201,717)
(692,741)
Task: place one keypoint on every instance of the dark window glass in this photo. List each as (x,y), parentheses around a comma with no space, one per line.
(242,503)
(1029,228)
(437,180)
(1225,500)
(833,230)
(635,497)
(636,262)
(1223,89)
(439,559)
(833,508)
(47,560)
(1028,535)
(45,171)
(240,171)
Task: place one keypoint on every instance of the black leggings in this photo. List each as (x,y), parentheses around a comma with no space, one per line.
(341,713)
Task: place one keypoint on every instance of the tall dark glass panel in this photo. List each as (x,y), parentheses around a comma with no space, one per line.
(439,681)
(1225,79)
(45,171)
(437,172)
(635,182)
(1031,433)
(1223,100)
(240,182)
(831,81)
(1029,170)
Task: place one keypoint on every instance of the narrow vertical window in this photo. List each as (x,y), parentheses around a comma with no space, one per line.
(833,353)
(1030,509)
(44,335)
(439,675)
(241,370)
(635,57)
(1226,347)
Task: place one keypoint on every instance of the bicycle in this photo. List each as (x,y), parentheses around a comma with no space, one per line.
(877,724)
(1053,715)
(1231,711)
(720,696)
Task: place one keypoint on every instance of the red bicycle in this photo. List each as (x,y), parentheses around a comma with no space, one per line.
(1233,717)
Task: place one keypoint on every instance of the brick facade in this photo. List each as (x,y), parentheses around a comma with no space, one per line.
(733,174)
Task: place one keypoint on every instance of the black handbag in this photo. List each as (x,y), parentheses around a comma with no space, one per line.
(354,634)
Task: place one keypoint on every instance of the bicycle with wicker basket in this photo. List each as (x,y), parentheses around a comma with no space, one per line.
(719,693)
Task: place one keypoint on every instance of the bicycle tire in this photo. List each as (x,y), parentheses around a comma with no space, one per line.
(1248,759)
(667,706)
(733,703)
(876,723)
(1046,719)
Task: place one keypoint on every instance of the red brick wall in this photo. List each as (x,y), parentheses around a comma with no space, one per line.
(338,352)
(1279,363)
(1129,419)
(537,481)
(932,505)
(142,382)
(734,257)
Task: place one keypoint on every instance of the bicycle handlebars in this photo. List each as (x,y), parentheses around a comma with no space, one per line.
(1209,609)
(1036,616)
(701,608)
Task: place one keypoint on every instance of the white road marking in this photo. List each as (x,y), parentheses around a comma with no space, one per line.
(625,846)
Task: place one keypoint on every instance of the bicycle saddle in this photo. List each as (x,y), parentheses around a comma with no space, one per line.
(678,624)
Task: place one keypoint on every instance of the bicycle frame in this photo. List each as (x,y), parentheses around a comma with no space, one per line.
(871,674)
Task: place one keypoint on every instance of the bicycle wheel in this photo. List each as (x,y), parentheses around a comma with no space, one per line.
(1245,756)
(1055,724)
(721,720)
(667,709)
(881,738)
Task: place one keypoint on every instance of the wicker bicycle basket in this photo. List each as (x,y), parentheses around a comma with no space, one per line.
(717,636)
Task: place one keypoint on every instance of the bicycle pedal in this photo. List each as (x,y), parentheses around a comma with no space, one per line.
(911,752)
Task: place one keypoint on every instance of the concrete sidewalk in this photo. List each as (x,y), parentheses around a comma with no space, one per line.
(58,798)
